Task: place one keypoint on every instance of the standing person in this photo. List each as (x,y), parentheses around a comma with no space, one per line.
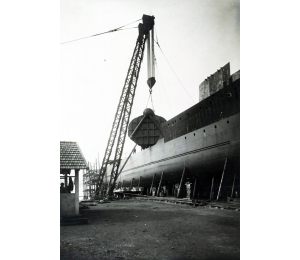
(70,186)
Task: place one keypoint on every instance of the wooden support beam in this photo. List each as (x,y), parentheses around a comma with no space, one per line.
(179,189)
(233,185)
(152,183)
(90,186)
(139,182)
(76,192)
(222,179)
(159,186)
(131,184)
(66,180)
(212,185)
(195,182)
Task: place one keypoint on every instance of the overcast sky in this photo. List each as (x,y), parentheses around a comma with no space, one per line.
(196,37)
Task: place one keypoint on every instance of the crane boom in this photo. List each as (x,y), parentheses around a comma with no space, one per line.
(124,108)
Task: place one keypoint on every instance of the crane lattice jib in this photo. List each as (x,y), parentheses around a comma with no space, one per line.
(132,83)
(124,108)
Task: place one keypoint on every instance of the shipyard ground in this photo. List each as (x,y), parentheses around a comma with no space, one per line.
(149,229)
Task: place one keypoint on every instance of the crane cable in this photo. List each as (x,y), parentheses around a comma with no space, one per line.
(150,96)
(152,104)
(114,30)
(171,67)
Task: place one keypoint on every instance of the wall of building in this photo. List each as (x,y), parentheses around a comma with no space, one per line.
(67,204)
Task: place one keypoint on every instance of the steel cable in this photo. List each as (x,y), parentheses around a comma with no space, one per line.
(114,30)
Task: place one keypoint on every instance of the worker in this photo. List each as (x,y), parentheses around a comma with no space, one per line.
(62,188)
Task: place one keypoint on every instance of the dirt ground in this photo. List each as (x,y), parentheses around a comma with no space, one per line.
(141,229)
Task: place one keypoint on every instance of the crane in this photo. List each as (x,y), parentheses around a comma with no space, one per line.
(121,120)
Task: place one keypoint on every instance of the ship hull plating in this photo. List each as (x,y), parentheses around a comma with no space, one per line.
(203,152)
(200,145)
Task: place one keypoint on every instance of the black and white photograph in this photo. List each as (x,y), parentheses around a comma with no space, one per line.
(161,154)
(150,129)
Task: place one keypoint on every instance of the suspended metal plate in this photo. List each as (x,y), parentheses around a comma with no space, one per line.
(145,130)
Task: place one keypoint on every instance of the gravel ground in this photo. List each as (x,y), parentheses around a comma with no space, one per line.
(135,229)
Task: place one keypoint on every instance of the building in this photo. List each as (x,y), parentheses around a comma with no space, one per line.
(71,158)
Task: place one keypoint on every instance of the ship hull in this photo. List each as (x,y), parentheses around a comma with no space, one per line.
(200,145)
(202,153)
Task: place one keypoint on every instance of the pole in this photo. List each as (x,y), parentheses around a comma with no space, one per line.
(152,183)
(179,189)
(222,179)
(148,57)
(212,185)
(66,180)
(131,184)
(153,56)
(195,182)
(233,185)
(139,183)
(96,164)
(160,183)
(66,173)
(90,191)
(76,192)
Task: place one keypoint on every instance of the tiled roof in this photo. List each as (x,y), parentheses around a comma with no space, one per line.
(71,156)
